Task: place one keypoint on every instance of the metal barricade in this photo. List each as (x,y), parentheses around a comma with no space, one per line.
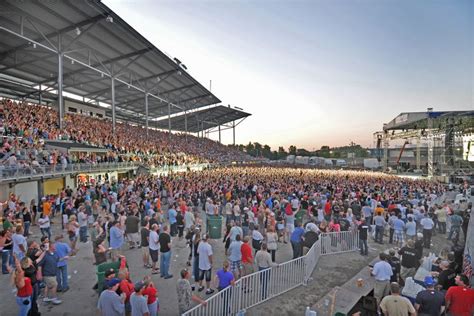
(263,285)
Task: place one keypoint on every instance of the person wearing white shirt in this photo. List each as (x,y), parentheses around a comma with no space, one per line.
(205,264)
(382,272)
(427,224)
(154,247)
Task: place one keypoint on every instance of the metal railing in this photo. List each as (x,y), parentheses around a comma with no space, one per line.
(17,172)
(263,285)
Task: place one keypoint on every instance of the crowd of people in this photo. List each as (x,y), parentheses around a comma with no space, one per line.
(263,209)
(27,128)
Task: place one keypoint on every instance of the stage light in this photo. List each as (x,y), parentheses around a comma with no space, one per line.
(34,45)
(110,19)
(78,31)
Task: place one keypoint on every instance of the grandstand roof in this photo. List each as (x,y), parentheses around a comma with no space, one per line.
(97,44)
(419,120)
(203,119)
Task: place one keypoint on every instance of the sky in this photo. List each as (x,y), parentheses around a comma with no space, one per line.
(316,73)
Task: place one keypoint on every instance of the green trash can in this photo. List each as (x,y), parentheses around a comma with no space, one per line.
(215,226)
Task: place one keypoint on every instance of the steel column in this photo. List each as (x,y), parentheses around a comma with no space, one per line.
(418,151)
(169,121)
(146,113)
(220,134)
(40,96)
(186,125)
(60,90)
(233,132)
(430,144)
(112,93)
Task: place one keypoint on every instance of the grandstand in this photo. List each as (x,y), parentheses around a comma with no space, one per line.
(78,69)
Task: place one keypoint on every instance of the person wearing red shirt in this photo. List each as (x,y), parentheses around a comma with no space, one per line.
(127,287)
(327,210)
(247,258)
(152,293)
(25,289)
(460,298)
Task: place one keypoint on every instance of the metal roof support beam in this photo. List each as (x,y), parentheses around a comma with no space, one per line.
(186,125)
(60,85)
(146,113)
(112,92)
(233,133)
(169,121)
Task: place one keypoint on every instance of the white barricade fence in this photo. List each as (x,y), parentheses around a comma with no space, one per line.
(263,285)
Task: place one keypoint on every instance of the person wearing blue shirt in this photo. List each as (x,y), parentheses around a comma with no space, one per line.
(62,250)
(116,240)
(382,272)
(399,227)
(172,219)
(297,240)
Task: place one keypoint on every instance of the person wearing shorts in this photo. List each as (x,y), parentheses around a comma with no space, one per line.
(48,268)
(154,246)
(382,272)
(205,264)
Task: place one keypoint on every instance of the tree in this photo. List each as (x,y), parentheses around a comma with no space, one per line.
(292,150)
(281,153)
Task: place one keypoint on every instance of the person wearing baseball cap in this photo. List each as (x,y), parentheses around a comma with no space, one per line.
(110,303)
(138,302)
(430,301)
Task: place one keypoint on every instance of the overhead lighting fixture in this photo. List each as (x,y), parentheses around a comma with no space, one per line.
(110,19)
(72,61)
(102,74)
(158,79)
(179,72)
(78,31)
(34,45)
(128,86)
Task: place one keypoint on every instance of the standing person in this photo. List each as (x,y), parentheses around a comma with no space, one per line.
(205,264)
(297,240)
(224,279)
(410,227)
(272,242)
(395,304)
(132,226)
(430,302)
(264,262)
(409,260)
(363,228)
(399,227)
(460,298)
(180,224)
(138,302)
(257,239)
(391,222)
(110,303)
(154,247)
(116,240)
(172,220)
(82,220)
(29,268)
(48,268)
(144,235)
(72,230)
(447,276)
(394,262)
(151,292)
(235,256)
(19,243)
(45,225)
(380,224)
(63,250)
(367,211)
(185,294)
(382,271)
(26,219)
(24,289)
(441,215)
(34,211)
(427,224)
(456,222)
(6,246)
(165,252)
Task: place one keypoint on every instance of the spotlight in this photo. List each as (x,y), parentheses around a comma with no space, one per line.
(78,31)
(34,45)
(110,19)
(72,61)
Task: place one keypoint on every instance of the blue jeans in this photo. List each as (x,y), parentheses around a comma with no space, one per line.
(165,263)
(264,280)
(46,232)
(153,308)
(24,308)
(83,233)
(27,228)
(196,268)
(379,234)
(363,247)
(61,277)
(7,259)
